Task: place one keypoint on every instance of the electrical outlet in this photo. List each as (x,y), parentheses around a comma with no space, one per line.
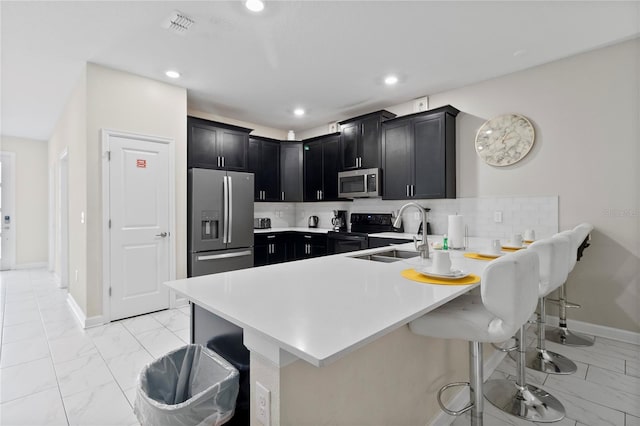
(263,404)
(497,216)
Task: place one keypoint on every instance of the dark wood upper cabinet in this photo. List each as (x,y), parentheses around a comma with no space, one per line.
(264,162)
(360,140)
(291,177)
(321,166)
(214,145)
(419,155)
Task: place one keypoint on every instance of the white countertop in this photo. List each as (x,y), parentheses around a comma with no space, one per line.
(300,229)
(322,308)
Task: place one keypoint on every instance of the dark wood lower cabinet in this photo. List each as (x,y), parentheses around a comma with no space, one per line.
(270,248)
(277,247)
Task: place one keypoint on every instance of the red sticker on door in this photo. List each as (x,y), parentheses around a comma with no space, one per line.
(141,164)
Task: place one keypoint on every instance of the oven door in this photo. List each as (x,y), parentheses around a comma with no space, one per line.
(343,242)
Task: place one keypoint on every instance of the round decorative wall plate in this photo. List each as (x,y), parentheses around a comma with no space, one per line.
(505,139)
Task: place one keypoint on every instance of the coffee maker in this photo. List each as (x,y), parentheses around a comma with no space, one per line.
(339,220)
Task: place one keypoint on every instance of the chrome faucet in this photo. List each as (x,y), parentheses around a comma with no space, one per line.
(424,247)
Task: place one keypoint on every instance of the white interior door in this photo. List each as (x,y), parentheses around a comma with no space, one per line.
(7,214)
(139,235)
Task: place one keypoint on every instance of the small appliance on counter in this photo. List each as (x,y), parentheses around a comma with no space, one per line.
(313,221)
(339,220)
(261,223)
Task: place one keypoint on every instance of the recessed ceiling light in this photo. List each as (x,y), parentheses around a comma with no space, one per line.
(254,5)
(390,80)
(172,74)
(299,112)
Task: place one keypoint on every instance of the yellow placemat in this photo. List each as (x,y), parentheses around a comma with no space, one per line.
(478,256)
(413,275)
(511,248)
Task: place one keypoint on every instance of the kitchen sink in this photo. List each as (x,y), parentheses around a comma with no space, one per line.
(388,256)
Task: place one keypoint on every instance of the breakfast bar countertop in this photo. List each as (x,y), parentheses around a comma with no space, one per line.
(323,308)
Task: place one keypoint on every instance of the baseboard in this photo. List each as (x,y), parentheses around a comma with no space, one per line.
(35,265)
(598,330)
(462,397)
(85,322)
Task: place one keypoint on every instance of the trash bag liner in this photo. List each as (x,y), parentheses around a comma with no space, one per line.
(188,386)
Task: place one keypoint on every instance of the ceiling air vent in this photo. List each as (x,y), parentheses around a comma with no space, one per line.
(178,22)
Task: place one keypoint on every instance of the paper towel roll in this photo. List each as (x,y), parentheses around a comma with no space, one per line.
(456,231)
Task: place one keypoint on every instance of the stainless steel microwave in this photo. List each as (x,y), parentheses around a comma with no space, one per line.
(359,183)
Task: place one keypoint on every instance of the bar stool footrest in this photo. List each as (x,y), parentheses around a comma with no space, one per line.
(447,410)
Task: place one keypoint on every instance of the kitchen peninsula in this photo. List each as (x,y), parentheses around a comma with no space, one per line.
(328,336)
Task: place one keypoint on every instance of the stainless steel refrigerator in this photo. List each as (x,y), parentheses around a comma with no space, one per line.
(220,221)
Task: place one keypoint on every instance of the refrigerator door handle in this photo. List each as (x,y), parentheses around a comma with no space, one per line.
(230,204)
(225,208)
(225,255)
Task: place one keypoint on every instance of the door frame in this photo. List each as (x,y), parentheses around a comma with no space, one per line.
(10,193)
(63,218)
(106,134)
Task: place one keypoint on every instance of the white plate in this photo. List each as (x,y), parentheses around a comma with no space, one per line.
(453,275)
(492,255)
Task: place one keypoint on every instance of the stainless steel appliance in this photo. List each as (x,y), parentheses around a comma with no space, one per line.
(313,222)
(261,223)
(362,224)
(220,235)
(339,220)
(360,183)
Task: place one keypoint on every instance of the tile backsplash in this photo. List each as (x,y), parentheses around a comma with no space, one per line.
(518,214)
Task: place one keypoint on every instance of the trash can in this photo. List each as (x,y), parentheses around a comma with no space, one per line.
(189,386)
(231,347)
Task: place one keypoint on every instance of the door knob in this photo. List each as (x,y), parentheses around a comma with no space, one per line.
(162,234)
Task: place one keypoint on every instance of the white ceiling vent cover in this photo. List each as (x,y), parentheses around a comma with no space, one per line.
(178,22)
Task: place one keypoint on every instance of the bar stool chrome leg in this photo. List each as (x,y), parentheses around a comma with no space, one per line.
(540,358)
(562,334)
(476,399)
(520,399)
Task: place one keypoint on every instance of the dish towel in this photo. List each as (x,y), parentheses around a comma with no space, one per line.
(413,275)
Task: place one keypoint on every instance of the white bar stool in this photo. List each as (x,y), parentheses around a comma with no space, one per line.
(580,239)
(508,294)
(554,268)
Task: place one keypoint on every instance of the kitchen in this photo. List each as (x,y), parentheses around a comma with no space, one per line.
(558,103)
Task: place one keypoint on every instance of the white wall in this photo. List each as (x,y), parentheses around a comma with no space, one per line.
(586,115)
(121,101)
(70,134)
(31,199)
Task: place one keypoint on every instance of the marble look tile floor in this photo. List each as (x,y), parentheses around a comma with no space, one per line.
(52,372)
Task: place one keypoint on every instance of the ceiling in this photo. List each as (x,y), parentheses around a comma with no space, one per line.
(329,57)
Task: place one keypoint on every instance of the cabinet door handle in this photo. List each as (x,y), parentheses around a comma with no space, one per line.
(321,195)
(359,161)
(270,237)
(282,196)
(218,161)
(413,190)
(356,161)
(407,190)
(222,161)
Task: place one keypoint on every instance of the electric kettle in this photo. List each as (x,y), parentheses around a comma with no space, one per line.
(313,221)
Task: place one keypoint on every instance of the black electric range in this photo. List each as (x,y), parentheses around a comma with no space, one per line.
(362,224)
